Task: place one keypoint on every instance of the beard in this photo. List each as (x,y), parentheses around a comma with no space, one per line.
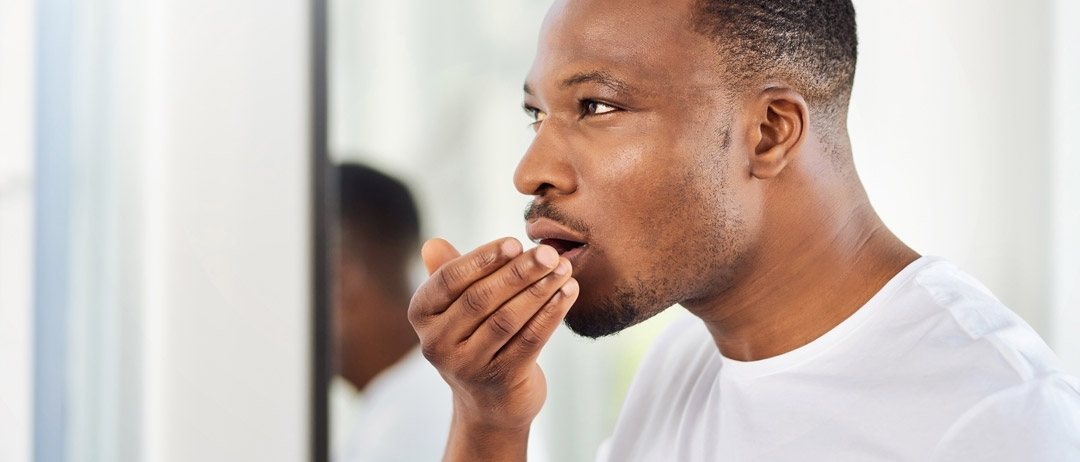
(632,299)
(624,308)
(632,303)
(628,303)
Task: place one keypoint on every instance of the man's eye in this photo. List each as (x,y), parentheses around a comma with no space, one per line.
(596,108)
(535,114)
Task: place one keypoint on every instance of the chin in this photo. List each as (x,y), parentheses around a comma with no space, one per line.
(595,319)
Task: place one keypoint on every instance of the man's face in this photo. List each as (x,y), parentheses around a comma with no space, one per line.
(636,155)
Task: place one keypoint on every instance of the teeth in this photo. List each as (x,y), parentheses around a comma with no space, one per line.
(561,245)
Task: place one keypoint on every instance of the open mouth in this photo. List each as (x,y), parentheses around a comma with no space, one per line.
(567,242)
(563,246)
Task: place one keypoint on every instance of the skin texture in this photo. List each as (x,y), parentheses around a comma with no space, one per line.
(650,175)
(732,201)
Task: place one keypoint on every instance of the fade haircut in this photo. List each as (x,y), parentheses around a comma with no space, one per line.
(809,44)
(377,215)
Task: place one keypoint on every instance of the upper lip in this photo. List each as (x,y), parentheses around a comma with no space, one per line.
(546,228)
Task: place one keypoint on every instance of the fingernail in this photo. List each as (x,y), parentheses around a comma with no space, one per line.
(570,288)
(564,267)
(547,256)
(510,247)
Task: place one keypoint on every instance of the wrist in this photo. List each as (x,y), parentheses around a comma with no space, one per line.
(477,438)
(483,425)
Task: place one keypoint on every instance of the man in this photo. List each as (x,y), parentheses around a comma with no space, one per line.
(403,408)
(696,152)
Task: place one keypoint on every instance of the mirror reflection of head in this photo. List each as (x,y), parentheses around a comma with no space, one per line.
(378,234)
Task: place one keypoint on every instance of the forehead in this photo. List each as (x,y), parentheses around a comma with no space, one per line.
(650,43)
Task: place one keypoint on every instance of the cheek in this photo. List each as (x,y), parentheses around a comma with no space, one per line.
(614,176)
(628,183)
(643,201)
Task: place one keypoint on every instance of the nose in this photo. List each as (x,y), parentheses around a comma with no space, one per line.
(547,167)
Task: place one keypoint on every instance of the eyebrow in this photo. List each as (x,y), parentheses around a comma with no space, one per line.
(598,77)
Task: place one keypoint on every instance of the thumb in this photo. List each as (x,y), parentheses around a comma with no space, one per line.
(437,252)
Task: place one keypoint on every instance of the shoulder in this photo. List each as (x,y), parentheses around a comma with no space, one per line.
(971,323)
(681,356)
(1036,420)
(1015,402)
(668,383)
(404,414)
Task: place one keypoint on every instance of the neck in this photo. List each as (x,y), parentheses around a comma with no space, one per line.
(796,289)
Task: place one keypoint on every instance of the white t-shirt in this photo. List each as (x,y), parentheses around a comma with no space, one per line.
(402,415)
(933,367)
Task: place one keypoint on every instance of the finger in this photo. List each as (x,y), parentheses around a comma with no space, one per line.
(525,346)
(452,278)
(437,252)
(508,320)
(486,295)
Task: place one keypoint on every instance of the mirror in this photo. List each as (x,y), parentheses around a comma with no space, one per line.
(424,103)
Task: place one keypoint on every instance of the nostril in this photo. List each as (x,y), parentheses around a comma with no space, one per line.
(543,188)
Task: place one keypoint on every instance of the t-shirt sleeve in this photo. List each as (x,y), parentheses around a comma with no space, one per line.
(603,453)
(1036,421)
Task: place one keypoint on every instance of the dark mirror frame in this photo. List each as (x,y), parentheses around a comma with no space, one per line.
(322,198)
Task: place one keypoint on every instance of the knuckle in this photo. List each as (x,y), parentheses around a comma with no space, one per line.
(431,351)
(474,300)
(538,290)
(502,323)
(485,259)
(415,313)
(491,376)
(531,337)
(417,322)
(448,278)
(518,274)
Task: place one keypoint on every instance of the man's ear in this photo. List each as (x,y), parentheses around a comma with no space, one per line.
(779,122)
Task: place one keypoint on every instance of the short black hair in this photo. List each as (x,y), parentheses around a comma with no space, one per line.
(376,211)
(810,44)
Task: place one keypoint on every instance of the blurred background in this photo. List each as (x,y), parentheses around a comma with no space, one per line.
(155,196)
(960,125)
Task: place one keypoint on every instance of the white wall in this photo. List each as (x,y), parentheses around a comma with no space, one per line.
(16,227)
(227,259)
(1065,185)
(950,125)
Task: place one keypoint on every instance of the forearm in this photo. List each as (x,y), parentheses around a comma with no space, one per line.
(470,441)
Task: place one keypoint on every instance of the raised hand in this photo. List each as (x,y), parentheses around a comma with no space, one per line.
(482,319)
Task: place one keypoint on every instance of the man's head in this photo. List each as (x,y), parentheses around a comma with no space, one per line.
(378,236)
(809,45)
(379,225)
(670,136)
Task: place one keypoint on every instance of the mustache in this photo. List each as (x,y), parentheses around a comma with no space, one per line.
(544,209)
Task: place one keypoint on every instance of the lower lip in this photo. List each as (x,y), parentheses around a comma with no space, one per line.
(573,254)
